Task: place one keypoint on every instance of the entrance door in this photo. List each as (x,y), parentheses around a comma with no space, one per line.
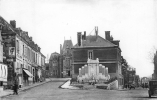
(69,73)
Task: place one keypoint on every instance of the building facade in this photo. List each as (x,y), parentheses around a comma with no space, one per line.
(23,57)
(55,65)
(66,53)
(145,82)
(94,46)
(3,67)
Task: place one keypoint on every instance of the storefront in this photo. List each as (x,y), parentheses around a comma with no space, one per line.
(3,74)
(27,77)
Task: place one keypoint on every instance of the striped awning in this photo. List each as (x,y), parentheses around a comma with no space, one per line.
(28,73)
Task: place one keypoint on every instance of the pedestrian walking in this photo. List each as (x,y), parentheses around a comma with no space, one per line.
(15,87)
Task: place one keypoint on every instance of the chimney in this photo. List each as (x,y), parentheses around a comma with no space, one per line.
(107,35)
(26,33)
(13,23)
(79,38)
(111,38)
(96,31)
(60,48)
(116,42)
(84,35)
(30,38)
(39,49)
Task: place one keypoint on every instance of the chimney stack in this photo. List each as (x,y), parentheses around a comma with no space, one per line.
(96,30)
(107,35)
(84,35)
(116,42)
(60,48)
(13,23)
(79,38)
(26,33)
(39,49)
(30,38)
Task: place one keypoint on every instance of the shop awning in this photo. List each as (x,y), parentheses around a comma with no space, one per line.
(28,73)
(3,72)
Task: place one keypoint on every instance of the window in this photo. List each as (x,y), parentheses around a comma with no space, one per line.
(90,54)
(23,49)
(25,53)
(17,46)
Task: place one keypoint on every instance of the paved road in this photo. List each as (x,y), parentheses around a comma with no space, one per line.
(50,91)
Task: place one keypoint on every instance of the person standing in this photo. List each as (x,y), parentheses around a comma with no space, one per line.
(15,88)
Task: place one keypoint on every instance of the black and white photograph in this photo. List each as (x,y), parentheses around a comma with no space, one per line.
(78,49)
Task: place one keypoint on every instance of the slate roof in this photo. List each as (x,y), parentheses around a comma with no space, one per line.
(67,45)
(4,22)
(95,41)
(54,55)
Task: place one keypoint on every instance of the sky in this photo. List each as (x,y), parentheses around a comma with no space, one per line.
(49,22)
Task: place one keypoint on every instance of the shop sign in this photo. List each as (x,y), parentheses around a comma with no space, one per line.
(10,60)
(12,51)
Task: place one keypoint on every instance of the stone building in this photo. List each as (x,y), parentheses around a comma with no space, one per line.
(55,65)
(23,57)
(3,67)
(66,54)
(47,70)
(131,74)
(94,46)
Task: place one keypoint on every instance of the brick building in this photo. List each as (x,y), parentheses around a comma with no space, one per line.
(94,46)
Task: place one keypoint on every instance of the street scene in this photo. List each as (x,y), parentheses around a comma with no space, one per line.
(78,50)
(50,91)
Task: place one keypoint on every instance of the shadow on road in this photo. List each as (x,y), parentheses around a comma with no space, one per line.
(145,97)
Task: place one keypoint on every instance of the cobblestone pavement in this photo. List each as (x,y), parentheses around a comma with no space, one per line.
(50,91)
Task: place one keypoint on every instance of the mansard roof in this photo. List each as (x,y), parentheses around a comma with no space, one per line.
(54,55)
(67,45)
(95,41)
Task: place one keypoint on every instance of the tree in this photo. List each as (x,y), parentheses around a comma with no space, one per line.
(153,58)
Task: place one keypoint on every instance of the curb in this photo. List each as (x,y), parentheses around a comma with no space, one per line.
(63,84)
(26,88)
(34,86)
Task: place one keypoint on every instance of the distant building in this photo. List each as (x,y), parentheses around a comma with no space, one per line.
(145,82)
(55,65)
(137,80)
(47,70)
(131,74)
(66,53)
(94,46)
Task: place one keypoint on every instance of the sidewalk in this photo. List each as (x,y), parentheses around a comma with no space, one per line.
(9,92)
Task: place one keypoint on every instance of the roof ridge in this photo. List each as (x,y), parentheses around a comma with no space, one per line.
(96,42)
(107,41)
